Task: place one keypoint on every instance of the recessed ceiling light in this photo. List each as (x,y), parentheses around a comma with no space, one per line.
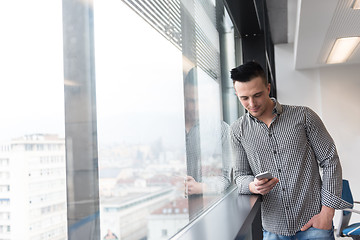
(342,49)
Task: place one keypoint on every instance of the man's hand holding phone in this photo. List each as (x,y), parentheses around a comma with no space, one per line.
(263,183)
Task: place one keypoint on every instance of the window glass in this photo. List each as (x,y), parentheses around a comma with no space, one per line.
(140,116)
(32,149)
(163,147)
(162,144)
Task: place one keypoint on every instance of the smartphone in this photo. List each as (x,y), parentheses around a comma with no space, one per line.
(264,175)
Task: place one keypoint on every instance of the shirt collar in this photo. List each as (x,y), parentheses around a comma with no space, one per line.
(278,109)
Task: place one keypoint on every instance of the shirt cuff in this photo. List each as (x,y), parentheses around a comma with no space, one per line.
(216,185)
(331,200)
(243,184)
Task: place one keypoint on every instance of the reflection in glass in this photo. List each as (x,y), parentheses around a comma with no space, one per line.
(207,146)
(145,133)
(214,133)
(207,142)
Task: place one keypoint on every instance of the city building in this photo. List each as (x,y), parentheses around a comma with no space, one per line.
(33,188)
(168,220)
(127,216)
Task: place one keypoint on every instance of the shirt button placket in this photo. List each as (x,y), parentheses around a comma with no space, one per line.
(277,163)
(282,187)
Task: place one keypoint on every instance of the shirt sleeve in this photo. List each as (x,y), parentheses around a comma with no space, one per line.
(328,159)
(217,184)
(243,174)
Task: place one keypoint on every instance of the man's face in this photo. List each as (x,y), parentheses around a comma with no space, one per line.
(253,95)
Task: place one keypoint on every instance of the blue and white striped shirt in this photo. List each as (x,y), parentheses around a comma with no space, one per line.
(292,148)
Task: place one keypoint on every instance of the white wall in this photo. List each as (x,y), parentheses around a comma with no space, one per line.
(295,87)
(334,93)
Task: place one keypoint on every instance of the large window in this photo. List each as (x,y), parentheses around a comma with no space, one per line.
(163,145)
(112,120)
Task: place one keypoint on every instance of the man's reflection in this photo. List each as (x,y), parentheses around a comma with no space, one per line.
(193,151)
(195,183)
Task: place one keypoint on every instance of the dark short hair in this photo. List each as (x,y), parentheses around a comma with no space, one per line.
(248,71)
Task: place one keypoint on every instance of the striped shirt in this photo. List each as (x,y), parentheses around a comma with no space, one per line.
(292,148)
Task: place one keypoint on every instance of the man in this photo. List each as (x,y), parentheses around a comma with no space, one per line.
(291,142)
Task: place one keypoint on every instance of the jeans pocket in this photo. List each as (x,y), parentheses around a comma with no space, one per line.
(316,233)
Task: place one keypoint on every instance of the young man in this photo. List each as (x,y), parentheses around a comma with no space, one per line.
(291,142)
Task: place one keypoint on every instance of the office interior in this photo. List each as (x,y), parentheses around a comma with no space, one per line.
(95,138)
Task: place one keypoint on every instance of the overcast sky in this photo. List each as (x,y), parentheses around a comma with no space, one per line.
(138,72)
(31,76)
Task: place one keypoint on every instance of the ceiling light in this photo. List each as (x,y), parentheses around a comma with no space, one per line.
(342,49)
(356,4)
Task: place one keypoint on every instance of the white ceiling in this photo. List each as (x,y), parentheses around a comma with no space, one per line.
(314,25)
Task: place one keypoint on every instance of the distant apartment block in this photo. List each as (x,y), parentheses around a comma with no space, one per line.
(126,216)
(33,188)
(164,222)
